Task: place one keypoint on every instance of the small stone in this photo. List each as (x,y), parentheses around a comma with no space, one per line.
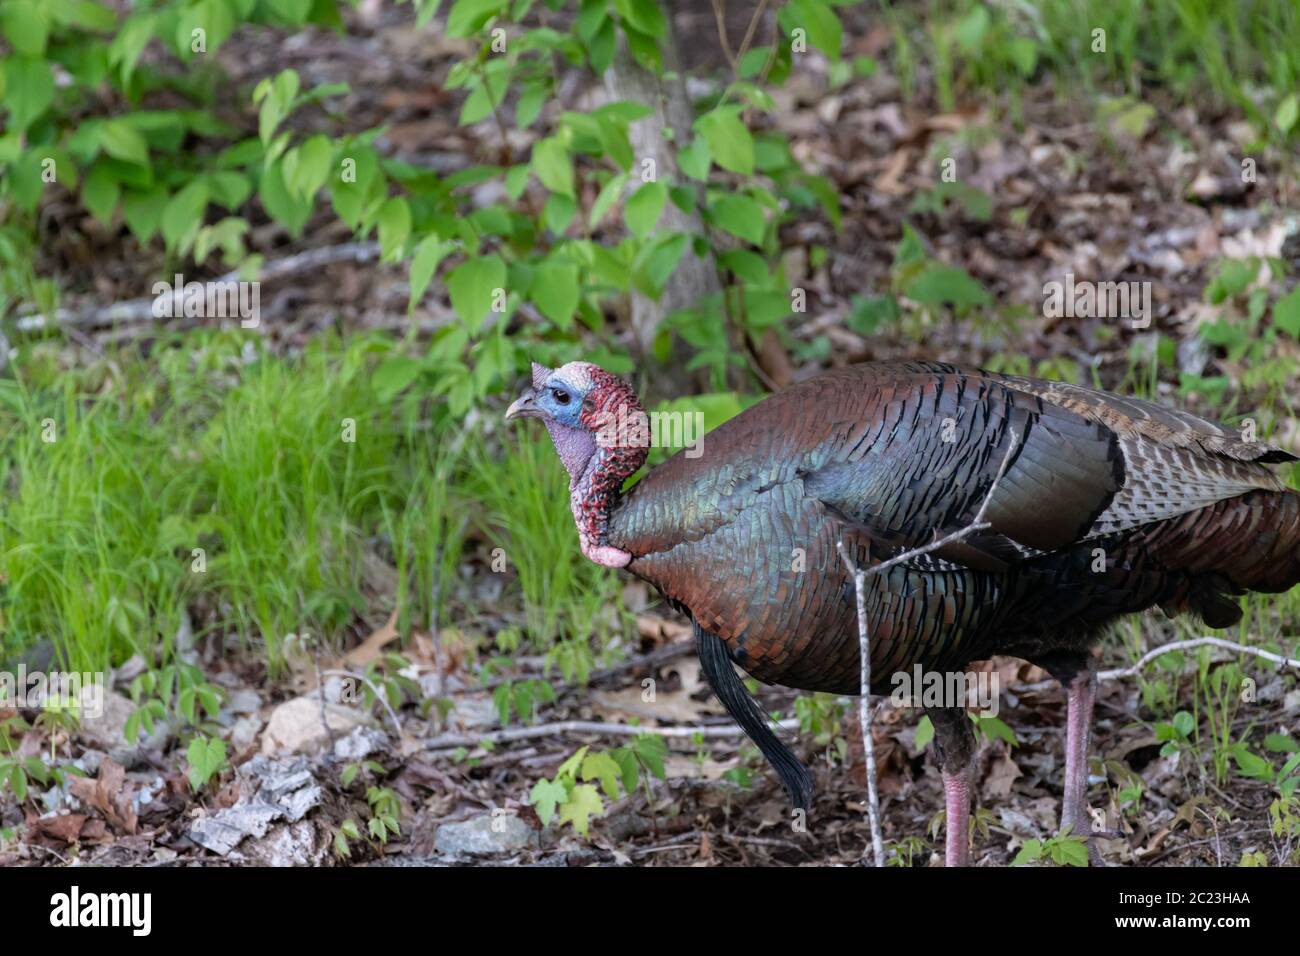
(243,702)
(360,744)
(296,725)
(485,835)
(244,732)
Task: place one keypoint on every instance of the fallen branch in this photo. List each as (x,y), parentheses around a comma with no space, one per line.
(864,642)
(135,311)
(1189,644)
(586,727)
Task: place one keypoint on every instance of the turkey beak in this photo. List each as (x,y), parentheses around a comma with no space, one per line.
(524,407)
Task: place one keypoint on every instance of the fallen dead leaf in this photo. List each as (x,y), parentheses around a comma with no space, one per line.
(369,650)
(109,794)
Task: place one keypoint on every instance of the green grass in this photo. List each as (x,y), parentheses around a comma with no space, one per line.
(210,480)
(1244,54)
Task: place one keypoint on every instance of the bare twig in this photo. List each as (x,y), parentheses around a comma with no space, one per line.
(720,15)
(753,28)
(864,707)
(587,727)
(1191,643)
(864,642)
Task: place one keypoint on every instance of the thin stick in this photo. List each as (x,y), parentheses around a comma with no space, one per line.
(587,727)
(864,642)
(864,709)
(1155,652)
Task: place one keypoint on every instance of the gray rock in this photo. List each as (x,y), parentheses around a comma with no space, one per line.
(244,732)
(360,744)
(485,835)
(243,702)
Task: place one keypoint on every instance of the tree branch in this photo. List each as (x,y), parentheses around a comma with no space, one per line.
(1191,643)
(587,727)
(864,641)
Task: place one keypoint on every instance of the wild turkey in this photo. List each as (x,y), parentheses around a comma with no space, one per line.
(1107,506)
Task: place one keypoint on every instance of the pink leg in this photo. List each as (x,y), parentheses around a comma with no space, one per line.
(956,792)
(1080,697)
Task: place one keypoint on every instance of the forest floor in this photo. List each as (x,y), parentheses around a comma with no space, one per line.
(1135,191)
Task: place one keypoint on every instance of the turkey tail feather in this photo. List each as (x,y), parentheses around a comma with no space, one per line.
(727,685)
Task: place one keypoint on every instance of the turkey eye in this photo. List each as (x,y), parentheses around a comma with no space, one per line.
(561,396)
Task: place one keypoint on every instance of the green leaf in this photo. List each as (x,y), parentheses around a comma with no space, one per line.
(946,285)
(1288,111)
(583,804)
(1286,313)
(424,263)
(924,732)
(279,203)
(651,750)
(311,168)
(394,220)
(466,17)
(995,728)
(393,376)
(740,216)
(135,34)
(559,212)
(29,89)
(644,15)
(530,103)
(119,139)
(100,193)
(694,159)
(819,23)
(970,30)
(730,142)
(553,166)
(656,263)
(1030,852)
(556,290)
(1252,764)
(183,216)
(605,200)
(1072,851)
(545,796)
(602,767)
(207,757)
(26,25)
(749,266)
(642,210)
(473,288)
(143,211)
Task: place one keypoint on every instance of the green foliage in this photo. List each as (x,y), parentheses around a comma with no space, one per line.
(1063,849)
(207,758)
(574,795)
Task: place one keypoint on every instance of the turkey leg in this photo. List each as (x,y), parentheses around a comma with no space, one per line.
(1081,695)
(954,745)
